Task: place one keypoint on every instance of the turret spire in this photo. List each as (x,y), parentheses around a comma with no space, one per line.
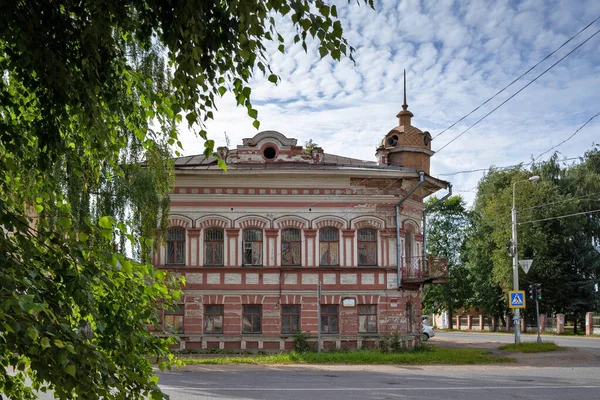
(404,116)
(405,106)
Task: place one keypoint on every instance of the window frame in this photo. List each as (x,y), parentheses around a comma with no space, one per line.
(329,315)
(174,242)
(252,248)
(176,311)
(212,315)
(368,315)
(367,244)
(329,243)
(221,242)
(252,317)
(291,316)
(297,242)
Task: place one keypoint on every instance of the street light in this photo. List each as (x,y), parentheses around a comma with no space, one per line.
(515,254)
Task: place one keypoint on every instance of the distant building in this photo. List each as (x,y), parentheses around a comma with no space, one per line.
(255,242)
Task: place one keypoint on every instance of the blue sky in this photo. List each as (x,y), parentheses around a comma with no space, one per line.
(456,54)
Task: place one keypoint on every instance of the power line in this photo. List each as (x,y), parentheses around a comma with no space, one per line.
(569,138)
(535,159)
(562,201)
(559,217)
(505,167)
(516,93)
(522,75)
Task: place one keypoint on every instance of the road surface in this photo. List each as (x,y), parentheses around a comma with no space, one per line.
(566,341)
(381,382)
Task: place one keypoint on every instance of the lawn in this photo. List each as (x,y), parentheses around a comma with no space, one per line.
(531,347)
(425,355)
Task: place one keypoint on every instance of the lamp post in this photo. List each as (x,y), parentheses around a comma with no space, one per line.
(515,254)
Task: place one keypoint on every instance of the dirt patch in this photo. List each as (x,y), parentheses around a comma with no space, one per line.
(570,357)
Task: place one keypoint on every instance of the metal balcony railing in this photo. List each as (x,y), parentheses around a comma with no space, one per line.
(424,267)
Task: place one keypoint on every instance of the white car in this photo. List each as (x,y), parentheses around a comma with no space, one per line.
(426,333)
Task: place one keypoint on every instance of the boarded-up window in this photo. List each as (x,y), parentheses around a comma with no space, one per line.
(329,319)
(251,319)
(290,319)
(290,247)
(329,246)
(367,318)
(367,247)
(253,247)
(173,319)
(213,319)
(176,246)
(213,247)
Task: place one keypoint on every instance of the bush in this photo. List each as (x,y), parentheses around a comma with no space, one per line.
(302,343)
(394,343)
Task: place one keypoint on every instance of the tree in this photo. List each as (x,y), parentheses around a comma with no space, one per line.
(557,228)
(448,223)
(88,91)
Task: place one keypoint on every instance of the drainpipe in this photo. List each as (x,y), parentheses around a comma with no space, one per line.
(398,249)
(440,201)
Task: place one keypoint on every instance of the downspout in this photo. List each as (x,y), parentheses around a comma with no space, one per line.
(398,248)
(440,201)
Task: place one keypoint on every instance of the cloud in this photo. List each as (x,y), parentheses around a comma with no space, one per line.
(457,54)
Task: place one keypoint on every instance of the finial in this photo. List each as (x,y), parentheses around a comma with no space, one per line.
(405,106)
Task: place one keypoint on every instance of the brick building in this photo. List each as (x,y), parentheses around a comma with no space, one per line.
(255,242)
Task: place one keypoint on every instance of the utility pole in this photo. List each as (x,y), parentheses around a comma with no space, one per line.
(515,256)
(538,296)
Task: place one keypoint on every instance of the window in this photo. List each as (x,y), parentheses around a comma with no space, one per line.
(329,319)
(213,247)
(290,319)
(253,247)
(213,319)
(367,319)
(251,319)
(408,248)
(173,319)
(175,246)
(329,246)
(290,247)
(367,247)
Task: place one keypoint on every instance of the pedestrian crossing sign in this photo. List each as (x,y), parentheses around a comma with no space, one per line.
(516,299)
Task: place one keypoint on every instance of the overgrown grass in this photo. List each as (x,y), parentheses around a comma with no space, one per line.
(425,355)
(532,347)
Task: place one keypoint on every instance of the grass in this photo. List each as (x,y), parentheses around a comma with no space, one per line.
(425,355)
(531,347)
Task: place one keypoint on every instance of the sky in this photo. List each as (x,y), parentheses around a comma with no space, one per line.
(457,54)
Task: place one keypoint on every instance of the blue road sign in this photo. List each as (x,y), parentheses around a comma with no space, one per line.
(516,299)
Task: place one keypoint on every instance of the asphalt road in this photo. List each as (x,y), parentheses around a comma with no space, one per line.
(566,341)
(381,382)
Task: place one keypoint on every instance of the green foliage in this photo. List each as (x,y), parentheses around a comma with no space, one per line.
(301,341)
(565,251)
(309,147)
(422,355)
(447,225)
(91,94)
(393,343)
(531,347)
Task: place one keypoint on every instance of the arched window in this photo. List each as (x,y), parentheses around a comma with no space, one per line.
(290,246)
(213,247)
(253,247)
(409,240)
(367,247)
(176,246)
(329,242)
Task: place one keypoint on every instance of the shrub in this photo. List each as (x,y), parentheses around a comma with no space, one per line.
(302,343)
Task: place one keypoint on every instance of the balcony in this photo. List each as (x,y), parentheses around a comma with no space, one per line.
(424,270)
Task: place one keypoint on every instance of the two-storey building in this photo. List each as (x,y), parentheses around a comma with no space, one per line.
(255,242)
